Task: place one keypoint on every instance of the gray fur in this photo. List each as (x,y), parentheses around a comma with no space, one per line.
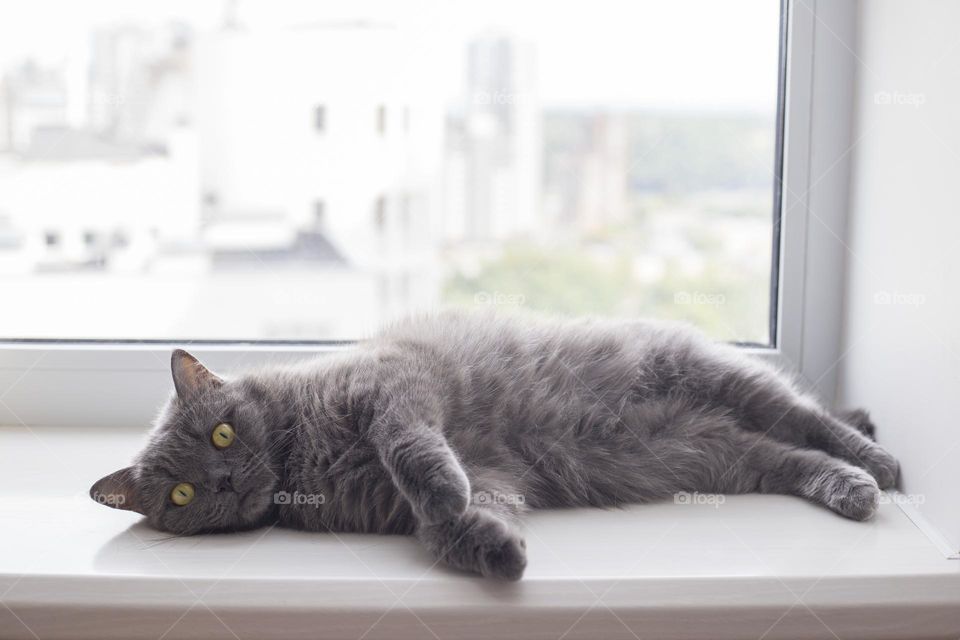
(450,426)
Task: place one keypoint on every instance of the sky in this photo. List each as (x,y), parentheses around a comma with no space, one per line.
(667,54)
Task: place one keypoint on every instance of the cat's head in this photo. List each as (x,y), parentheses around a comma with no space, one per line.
(207,465)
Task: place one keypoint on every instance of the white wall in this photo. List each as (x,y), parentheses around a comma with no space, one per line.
(902,335)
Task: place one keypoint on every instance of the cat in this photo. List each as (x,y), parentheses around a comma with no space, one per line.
(450,426)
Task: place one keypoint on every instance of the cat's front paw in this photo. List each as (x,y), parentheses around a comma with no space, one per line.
(479,542)
(498,551)
(505,559)
(445,495)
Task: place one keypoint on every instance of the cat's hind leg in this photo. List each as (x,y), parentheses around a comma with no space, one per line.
(806,423)
(767,404)
(766,465)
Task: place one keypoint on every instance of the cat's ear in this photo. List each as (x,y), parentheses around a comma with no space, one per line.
(189,376)
(119,491)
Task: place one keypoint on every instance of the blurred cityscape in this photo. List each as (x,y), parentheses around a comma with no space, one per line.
(172,183)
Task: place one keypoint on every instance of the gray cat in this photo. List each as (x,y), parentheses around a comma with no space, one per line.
(449,427)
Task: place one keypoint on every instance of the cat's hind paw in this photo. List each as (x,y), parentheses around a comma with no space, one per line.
(852,493)
(881,465)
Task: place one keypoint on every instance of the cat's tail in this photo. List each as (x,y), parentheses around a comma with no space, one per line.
(860,420)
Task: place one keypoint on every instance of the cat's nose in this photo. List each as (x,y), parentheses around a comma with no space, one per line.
(225,483)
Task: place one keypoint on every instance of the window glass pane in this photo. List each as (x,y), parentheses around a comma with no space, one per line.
(307,171)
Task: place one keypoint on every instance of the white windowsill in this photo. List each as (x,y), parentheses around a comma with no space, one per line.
(754,564)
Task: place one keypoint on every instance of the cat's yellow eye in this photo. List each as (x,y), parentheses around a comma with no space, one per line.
(182,494)
(223,435)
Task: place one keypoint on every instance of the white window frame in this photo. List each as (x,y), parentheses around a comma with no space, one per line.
(818,139)
(122,384)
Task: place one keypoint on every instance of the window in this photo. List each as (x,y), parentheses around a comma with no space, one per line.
(616,159)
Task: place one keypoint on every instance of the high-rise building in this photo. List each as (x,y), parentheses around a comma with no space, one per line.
(494,145)
(305,132)
(32,97)
(138,82)
(602,196)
